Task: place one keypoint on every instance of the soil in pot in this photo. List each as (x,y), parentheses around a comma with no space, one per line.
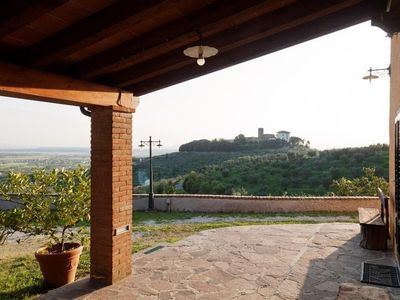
(59,268)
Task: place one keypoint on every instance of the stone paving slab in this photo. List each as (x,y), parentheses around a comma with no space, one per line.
(251,262)
(348,291)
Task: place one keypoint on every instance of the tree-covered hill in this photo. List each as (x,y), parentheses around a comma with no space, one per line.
(181,163)
(259,175)
(241,143)
(293,173)
(231,146)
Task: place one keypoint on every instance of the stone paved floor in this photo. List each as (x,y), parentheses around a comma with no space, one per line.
(252,262)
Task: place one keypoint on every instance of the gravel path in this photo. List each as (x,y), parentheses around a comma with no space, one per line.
(206,219)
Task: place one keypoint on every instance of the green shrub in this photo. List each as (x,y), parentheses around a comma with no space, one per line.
(48,203)
(360,186)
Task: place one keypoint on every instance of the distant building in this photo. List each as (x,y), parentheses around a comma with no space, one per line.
(260,133)
(252,139)
(269,136)
(261,136)
(264,136)
(283,135)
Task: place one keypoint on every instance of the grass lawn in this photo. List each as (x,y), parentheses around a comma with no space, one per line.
(162,217)
(20,277)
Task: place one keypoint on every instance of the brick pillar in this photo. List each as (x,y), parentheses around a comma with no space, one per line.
(111,202)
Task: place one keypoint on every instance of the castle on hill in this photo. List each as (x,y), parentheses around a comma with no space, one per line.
(280,135)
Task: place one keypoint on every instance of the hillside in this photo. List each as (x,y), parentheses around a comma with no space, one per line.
(242,143)
(274,173)
(181,163)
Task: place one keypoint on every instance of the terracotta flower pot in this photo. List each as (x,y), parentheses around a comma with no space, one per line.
(59,268)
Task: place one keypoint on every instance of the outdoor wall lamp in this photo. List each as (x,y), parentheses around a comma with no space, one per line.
(200,52)
(371,76)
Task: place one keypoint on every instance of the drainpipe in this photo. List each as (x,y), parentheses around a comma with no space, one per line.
(85,111)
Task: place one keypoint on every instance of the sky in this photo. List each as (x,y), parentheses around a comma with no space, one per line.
(314,90)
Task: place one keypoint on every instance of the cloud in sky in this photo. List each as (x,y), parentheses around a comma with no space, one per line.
(313,89)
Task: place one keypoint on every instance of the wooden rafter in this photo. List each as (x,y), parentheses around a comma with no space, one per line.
(98,26)
(20,82)
(301,33)
(234,37)
(209,20)
(16,14)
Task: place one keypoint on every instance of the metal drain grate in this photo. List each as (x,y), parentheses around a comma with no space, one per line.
(153,249)
(380,275)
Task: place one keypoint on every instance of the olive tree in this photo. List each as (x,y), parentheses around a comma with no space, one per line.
(47,202)
(365,185)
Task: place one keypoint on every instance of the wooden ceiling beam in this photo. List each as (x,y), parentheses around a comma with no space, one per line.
(24,83)
(209,20)
(104,23)
(388,21)
(258,28)
(146,70)
(290,37)
(16,14)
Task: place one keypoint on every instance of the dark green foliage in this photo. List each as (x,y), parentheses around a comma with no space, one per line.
(240,139)
(291,174)
(301,172)
(294,140)
(181,163)
(240,143)
(365,185)
(163,186)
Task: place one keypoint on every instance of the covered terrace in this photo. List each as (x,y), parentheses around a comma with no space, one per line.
(102,55)
(312,261)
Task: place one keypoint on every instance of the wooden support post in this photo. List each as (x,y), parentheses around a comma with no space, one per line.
(111,203)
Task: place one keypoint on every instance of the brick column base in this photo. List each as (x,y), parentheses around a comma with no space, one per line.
(111,202)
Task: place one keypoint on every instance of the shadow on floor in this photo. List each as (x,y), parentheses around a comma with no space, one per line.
(79,288)
(334,258)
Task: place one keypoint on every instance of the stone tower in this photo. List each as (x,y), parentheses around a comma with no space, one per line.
(260,133)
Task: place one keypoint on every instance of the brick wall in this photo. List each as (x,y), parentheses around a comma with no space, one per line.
(111,203)
(259,204)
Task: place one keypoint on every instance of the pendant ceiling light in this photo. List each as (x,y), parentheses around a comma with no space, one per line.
(200,52)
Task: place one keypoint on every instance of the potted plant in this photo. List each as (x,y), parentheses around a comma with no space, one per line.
(49,203)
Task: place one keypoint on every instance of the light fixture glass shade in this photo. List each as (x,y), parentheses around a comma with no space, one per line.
(201,61)
(370,77)
(201,53)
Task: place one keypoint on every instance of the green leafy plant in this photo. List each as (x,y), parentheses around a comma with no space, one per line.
(49,203)
(365,185)
(241,191)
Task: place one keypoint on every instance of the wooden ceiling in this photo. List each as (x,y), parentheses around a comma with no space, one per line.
(136,45)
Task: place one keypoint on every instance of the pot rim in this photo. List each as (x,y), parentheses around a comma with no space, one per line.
(79,249)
